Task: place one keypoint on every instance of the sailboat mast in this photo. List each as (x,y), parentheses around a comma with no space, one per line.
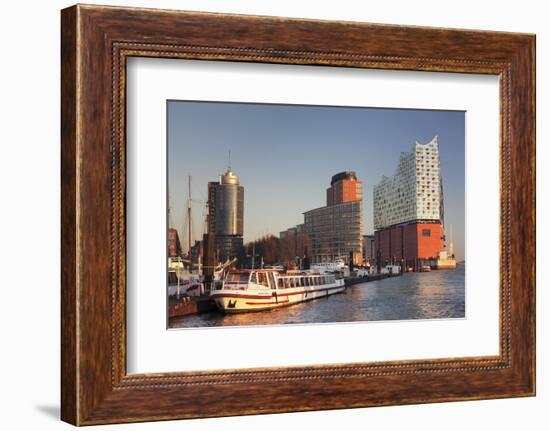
(189,224)
(451,245)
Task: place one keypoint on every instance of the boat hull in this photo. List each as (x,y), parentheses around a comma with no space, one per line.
(239,301)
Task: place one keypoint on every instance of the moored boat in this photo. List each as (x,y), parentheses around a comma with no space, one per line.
(445,260)
(338,266)
(257,290)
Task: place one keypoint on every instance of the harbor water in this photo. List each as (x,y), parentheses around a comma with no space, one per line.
(414,295)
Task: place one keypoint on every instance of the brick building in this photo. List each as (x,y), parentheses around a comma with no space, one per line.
(369,249)
(415,243)
(174,245)
(408,209)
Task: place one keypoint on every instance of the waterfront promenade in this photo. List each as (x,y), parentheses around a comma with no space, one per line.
(415,295)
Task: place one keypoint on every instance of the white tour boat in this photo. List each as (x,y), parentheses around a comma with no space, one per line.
(263,289)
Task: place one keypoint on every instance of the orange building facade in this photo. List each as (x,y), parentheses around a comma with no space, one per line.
(344,187)
(412,244)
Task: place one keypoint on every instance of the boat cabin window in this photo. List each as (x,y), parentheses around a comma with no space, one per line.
(262,278)
(237,278)
(253,278)
(272,282)
(280,283)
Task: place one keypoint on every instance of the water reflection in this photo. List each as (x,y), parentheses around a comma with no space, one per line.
(425,295)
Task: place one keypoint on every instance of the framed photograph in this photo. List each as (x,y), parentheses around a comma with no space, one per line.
(361,226)
(265,215)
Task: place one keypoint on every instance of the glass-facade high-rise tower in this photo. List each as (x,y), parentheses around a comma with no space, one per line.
(226,214)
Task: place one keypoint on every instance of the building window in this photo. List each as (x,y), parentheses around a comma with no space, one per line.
(426,232)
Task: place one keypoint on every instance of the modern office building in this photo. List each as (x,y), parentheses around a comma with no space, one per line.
(408,209)
(335,230)
(226,214)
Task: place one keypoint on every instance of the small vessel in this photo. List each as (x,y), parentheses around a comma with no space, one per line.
(184,283)
(390,270)
(330,267)
(445,261)
(425,268)
(261,289)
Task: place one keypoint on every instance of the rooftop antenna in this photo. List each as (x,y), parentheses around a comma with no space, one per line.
(229,161)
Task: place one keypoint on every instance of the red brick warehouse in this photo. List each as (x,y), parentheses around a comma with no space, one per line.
(410,243)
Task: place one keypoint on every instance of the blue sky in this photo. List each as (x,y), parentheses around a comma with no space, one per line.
(285,156)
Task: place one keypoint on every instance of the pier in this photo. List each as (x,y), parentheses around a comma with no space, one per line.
(189,305)
(413,295)
(351,281)
(193,305)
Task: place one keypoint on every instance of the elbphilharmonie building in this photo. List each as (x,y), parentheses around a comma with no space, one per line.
(408,209)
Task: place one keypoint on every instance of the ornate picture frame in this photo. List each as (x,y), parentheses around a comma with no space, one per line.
(96,41)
